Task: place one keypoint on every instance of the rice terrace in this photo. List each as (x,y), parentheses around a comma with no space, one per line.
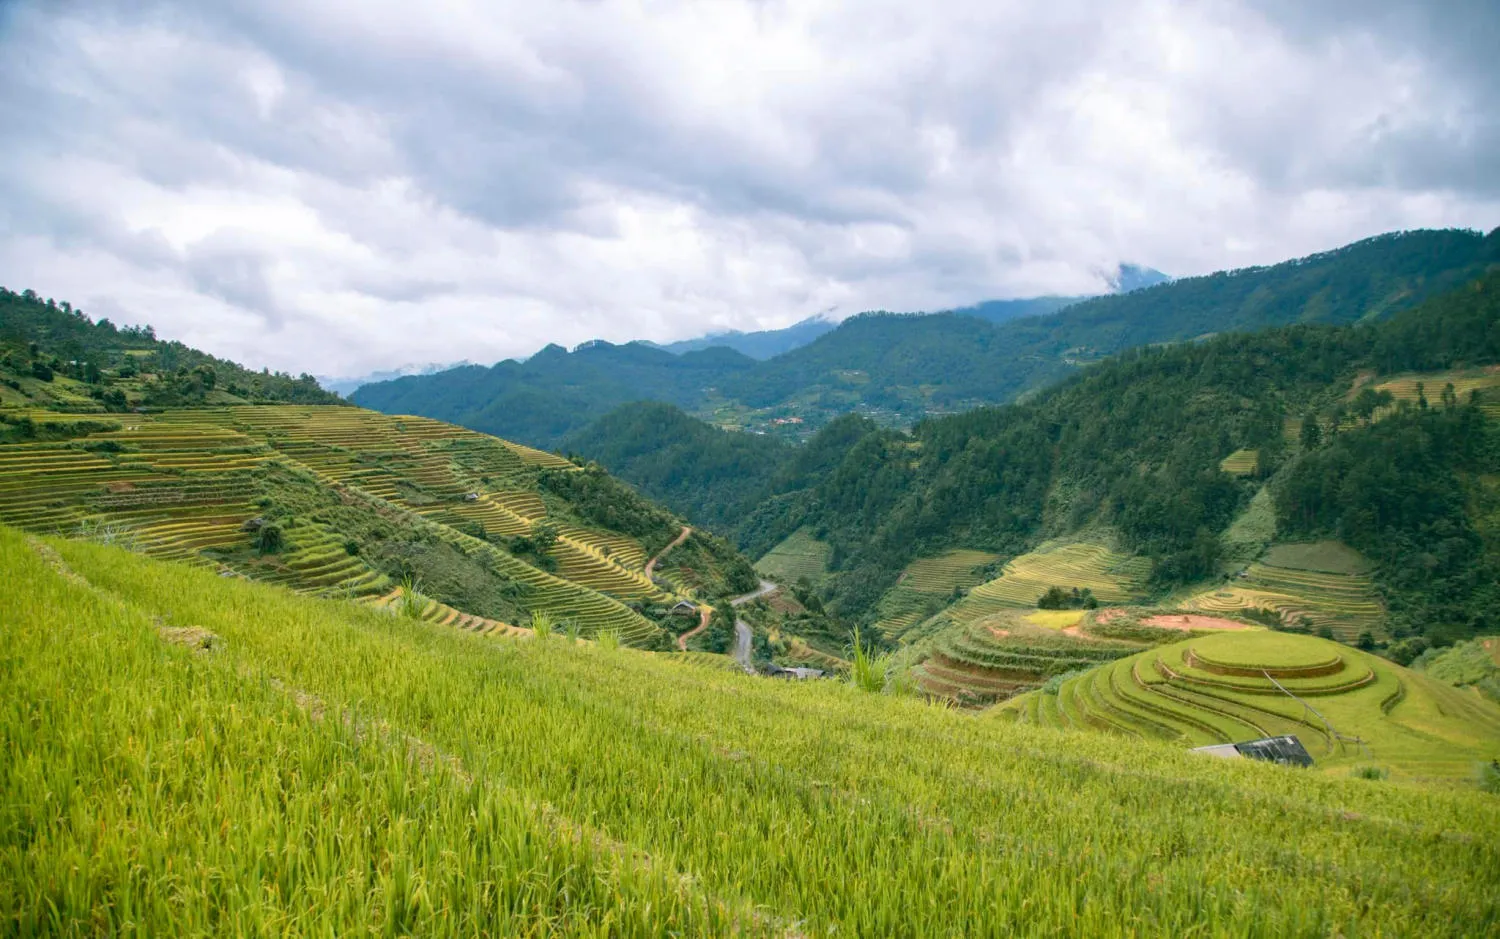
(736,469)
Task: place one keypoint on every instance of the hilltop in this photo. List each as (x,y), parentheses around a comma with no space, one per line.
(900,368)
(55,357)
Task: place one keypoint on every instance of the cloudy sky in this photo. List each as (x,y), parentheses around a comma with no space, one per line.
(349,185)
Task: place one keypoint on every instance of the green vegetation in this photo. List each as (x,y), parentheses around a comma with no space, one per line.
(324,768)
(1347,707)
(1321,587)
(53,356)
(800,557)
(1474,663)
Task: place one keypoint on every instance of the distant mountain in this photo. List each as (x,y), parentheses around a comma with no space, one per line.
(347,385)
(758,345)
(1127,277)
(555,392)
(900,368)
(1132,277)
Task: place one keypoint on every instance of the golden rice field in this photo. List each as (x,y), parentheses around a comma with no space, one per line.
(180,483)
(1240,462)
(926,583)
(1326,584)
(192,754)
(1114,578)
(1486,381)
(1347,707)
(800,555)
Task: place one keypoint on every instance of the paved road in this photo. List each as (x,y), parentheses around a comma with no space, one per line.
(766,587)
(743,637)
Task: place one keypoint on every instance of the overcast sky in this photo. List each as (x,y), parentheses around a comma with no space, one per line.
(349,185)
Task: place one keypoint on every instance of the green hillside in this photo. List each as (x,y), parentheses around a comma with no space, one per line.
(53,356)
(198,754)
(898,369)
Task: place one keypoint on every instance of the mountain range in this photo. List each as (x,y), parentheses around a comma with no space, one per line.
(900,368)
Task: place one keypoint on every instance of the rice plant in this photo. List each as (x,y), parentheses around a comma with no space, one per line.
(541,624)
(868,669)
(410,603)
(609,640)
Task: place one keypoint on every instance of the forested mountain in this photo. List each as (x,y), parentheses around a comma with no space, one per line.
(541,400)
(898,369)
(1135,444)
(52,355)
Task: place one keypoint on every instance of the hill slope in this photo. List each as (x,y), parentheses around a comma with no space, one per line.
(358,771)
(1194,457)
(53,356)
(347,502)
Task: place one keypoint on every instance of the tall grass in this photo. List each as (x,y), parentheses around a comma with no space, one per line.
(334,771)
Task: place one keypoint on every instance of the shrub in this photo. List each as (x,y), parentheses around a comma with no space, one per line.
(1489,777)
(268,539)
(1370,772)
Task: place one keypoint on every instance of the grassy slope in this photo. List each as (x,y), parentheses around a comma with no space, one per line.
(223,792)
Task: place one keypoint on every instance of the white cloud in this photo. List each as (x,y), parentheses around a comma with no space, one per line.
(343,186)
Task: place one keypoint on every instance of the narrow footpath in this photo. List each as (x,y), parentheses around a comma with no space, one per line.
(704,612)
(651,565)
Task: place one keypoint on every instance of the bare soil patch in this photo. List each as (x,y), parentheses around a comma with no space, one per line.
(1190,621)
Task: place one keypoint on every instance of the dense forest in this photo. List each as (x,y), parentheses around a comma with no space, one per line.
(124,366)
(899,369)
(1135,443)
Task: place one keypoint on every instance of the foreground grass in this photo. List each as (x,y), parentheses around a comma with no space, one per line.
(442,783)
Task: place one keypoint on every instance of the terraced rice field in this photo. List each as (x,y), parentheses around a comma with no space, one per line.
(1344,705)
(800,555)
(926,583)
(1485,381)
(441,614)
(180,483)
(1003,656)
(1240,462)
(1114,578)
(1325,584)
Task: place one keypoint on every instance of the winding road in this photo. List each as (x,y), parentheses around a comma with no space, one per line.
(743,636)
